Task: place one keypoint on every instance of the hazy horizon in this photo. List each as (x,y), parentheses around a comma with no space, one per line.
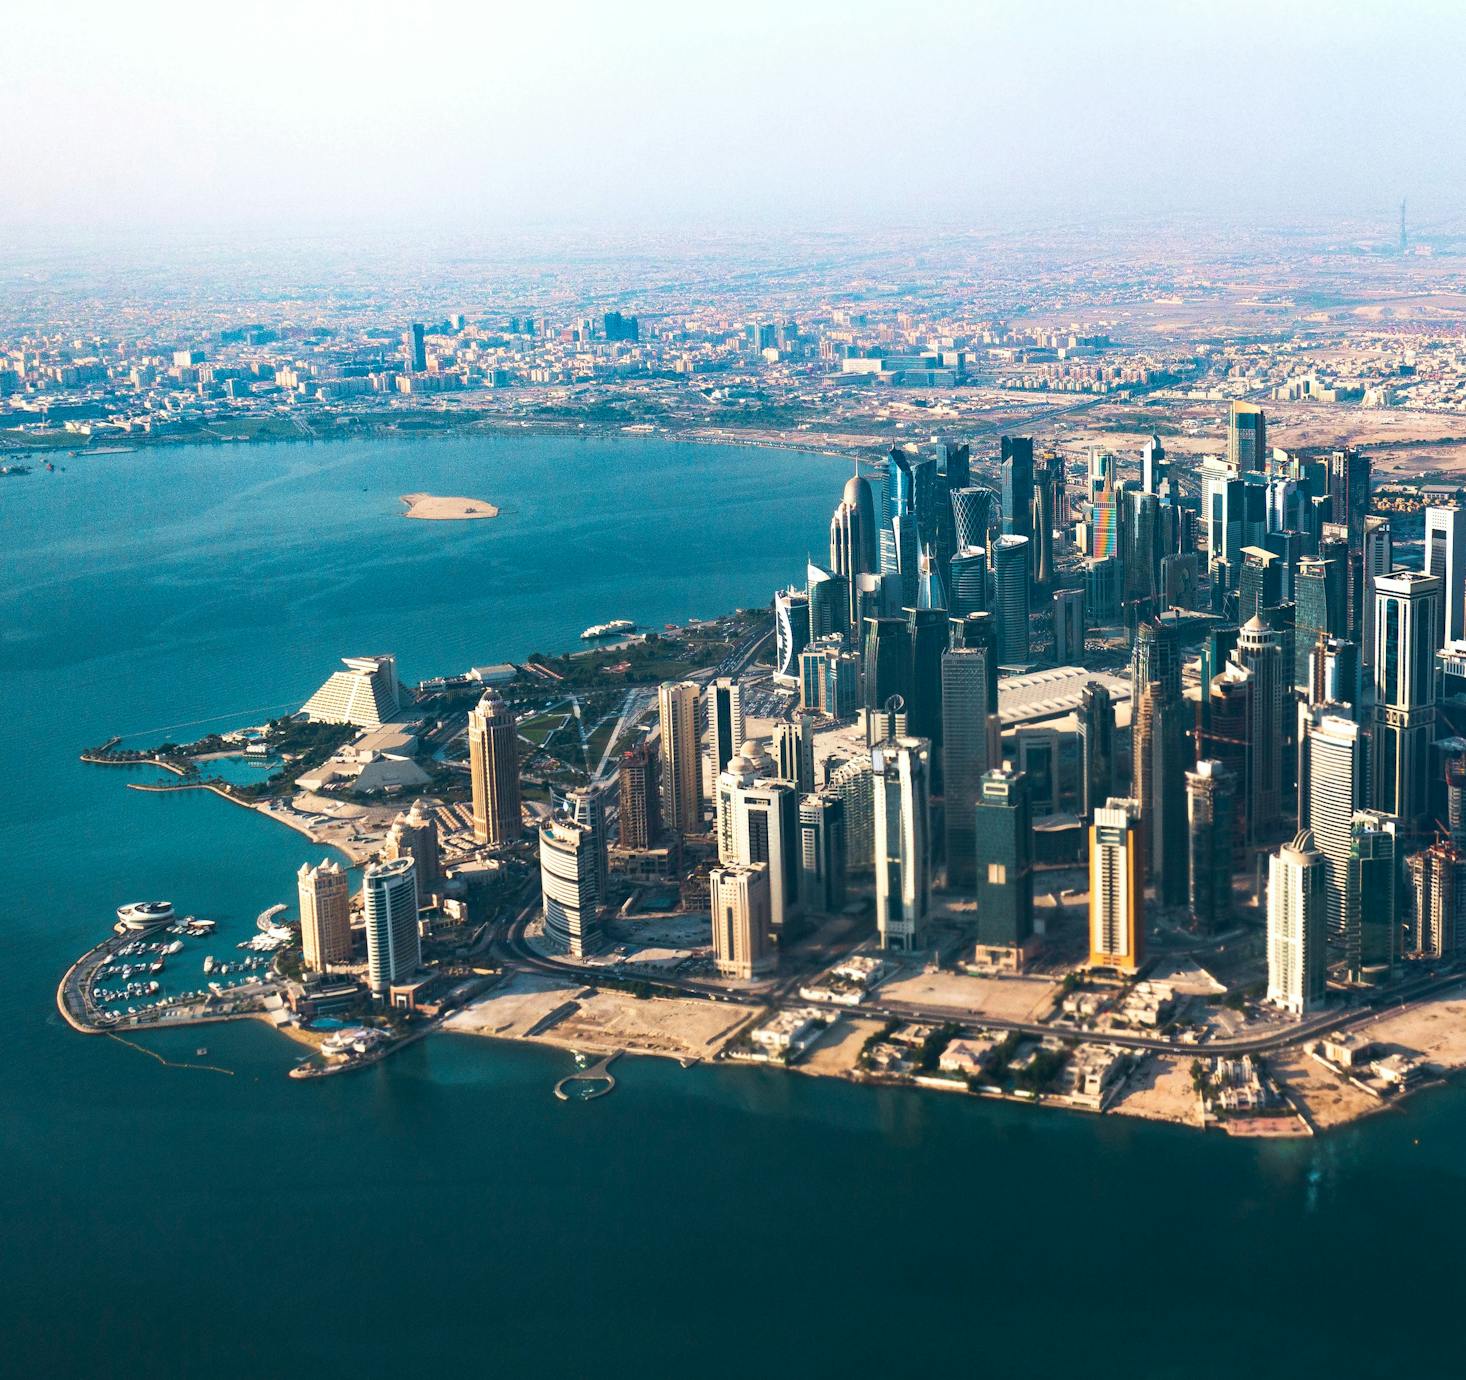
(650,118)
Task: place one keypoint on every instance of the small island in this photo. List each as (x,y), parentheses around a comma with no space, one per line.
(431,508)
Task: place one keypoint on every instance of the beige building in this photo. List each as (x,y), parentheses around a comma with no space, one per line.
(493,765)
(677,703)
(414,834)
(742,924)
(325,915)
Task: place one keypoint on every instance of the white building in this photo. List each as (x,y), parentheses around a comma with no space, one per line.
(1297,961)
(901,787)
(366,693)
(394,948)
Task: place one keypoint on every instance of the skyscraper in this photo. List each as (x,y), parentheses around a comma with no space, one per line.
(1374,889)
(1211,803)
(1017,480)
(414,349)
(1011,581)
(394,948)
(568,886)
(1096,747)
(1297,969)
(1320,609)
(822,857)
(1116,887)
(743,944)
(725,722)
(640,811)
(828,598)
(1246,437)
(853,547)
(900,769)
(887,669)
(1407,608)
(1152,465)
(972,515)
(758,822)
(793,752)
(1003,850)
(967,581)
(969,697)
(1068,626)
(1445,558)
(414,834)
(1160,790)
(791,632)
(929,631)
(325,915)
(493,768)
(1260,651)
(829,680)
(1333,790)
(677,703)
(1378,559)
(1438,929)
(587,807)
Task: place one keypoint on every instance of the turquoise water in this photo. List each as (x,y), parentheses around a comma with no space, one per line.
(443,1209)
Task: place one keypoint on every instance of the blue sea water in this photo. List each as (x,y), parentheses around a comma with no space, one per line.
(443,1211)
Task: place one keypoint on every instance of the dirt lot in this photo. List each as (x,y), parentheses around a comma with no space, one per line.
(1160,1090)
(1436,1029)
(1325,1097)
(838,1049)
(1014,998)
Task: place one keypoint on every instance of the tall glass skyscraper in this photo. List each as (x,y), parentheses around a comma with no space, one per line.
(1011,585)
(969,697)
(1003,849)
(900,770)
(389,900)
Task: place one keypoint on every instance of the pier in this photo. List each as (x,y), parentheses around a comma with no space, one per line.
(599,1074)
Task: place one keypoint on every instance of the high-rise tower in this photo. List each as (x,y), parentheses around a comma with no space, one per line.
(493,768)
(677,703)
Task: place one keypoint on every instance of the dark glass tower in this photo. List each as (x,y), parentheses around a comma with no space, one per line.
(1002,839)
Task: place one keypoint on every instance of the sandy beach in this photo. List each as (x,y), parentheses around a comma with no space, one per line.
(432,508)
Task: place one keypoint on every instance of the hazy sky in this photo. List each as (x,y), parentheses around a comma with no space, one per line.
(806,113)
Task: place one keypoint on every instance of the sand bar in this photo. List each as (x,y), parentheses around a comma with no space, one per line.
(431,508)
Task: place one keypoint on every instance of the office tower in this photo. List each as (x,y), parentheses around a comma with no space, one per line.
(1011,584)
(1116,887)
(1333,673)
(793,752)
(900,770)
(1180,580)
(822,852)
(1106,525)
(724,702)
(1003,852)
(1438,929)
(325,915)
(743,945)
(587,807)
(791,632)
(853,547)
(1042,525)
(828,598)
(367,693)
(967,581)
(969,696)
(493,771)
(928,497)
(677,703)
(1036,755)
(1445,558)
(1260,583)
(758,822)
(1407,610)
(972,516)
(1157,655)
(1374,891)
(1069,626)
(854,784)
(902,556)
(414,834)
(829,681)
(887,670)
(1017,482)
(1297,965)
(928,632)
(1348,480)
(1378,559)
(752,764)
(1152,465)
(931,584)
(414,350)
(1333,789)
(568,886)
(389,898)
(1160,785)
(1141,551)
(1260,651)
(975,630)
(1101,471)
(640,809)
(1102,590)
(1096,743)
(1320,610)
(1246,438)
(1211,823)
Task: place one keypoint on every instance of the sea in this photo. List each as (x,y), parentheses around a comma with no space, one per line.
(443,1212)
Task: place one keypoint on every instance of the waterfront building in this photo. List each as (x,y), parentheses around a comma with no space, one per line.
(822,858)
(367,693)
(853,548)
(325,915)
(900,769)
(724,704)
(969,698)
(758,822)
(569,882)
(677,706)
(1096,747)
(1211,819)
(1374,892)
(586,806)
(1116,887)
(1438,928)
(1011,580)
(414,834)
(829,601)
(1016,464)
(791,633)
(1297,967)
(1003,853)
(493,770)
(793,752)
(1333,790)
(1407,612)
(1069,626)
(1445,558)
(743,945)
(1246,438)
(640,809)
(394,946)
